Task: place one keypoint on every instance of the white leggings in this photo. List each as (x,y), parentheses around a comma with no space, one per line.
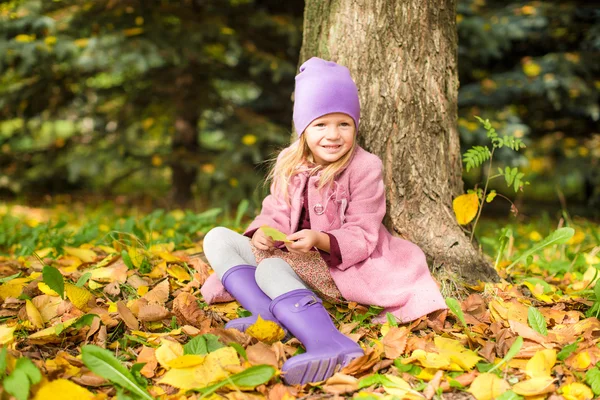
(225,249)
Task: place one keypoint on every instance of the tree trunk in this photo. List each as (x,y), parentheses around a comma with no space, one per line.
(185,148)
(403,56)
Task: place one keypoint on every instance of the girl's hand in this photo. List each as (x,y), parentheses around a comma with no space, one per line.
(303,241)
(261,241)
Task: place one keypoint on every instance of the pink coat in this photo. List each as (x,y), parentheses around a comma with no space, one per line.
(377,268)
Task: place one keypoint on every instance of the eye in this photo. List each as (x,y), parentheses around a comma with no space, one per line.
(320,125)
(345,124)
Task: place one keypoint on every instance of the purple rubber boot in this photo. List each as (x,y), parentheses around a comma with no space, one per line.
(241,283)
(327,349)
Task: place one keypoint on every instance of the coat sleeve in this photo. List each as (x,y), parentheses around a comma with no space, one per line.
(358,236)
(275,212)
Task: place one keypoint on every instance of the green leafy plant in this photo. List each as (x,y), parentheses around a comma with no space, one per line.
(559,236)
(202,344)
(476,156)
(54,279)
(454,306)
(104,363)
(513,351)
(537,321)
(21,378)
(249,378)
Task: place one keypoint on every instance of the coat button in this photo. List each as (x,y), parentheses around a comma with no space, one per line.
(319,209)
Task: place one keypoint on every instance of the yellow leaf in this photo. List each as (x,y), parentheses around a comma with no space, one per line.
(116,273)
(78,296)
(12,288)
(532,69)
(274,234)
(46,289)
(7,334)
(488,387)
(265,331)
(210,371)
(168,351)
(465,358)
(430,360)
(577,391)
(136,255)
(51,331)
(398,387)
(85,255)
(33,315)
(534,386)
(582,360)
(186,361)
(178,272)
(142,290)
(229,309)
(465,208)
(62,389)
(541,363)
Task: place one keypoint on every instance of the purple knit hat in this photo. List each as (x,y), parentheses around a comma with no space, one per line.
(324,87)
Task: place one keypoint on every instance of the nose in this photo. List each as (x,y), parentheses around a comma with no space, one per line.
(333,133)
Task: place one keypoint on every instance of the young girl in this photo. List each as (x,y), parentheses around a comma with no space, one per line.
(327,196)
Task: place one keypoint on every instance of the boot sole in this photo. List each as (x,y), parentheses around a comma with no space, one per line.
(318,369)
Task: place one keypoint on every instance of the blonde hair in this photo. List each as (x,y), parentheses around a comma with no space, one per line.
(298,158)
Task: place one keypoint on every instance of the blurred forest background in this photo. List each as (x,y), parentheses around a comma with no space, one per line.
(169,101)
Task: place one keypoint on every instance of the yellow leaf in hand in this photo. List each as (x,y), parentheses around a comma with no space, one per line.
(78,296)
(276,235)
(265,331)
(85,255)
(33,315)
(488,387)
(465,207)
(541,364)
(62,389)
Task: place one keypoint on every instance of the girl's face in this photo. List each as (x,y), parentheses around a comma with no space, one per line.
(330,137)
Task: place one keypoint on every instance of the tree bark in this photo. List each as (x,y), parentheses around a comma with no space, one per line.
(403,58)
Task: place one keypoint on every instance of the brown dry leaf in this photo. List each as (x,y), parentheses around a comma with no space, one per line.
(261,353)
(127,316)
(148,356)
(394,342)
(281,392)
(187,310)
(433,385)
(113,289)
(526,332)
(341,383)
(159,293)
(153,312)
(46,305)
(364,363)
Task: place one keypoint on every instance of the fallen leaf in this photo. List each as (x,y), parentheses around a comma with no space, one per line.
(147,355)
(33,315)
(168,351)
(541,364)
(260,353)
(535,386)
(340,383)
(577,391)
(62,389)
(7,334)
(77,295)
(159,293)
(187,310)
(152,312)
(265,331)
(394,342)
(127,316)
(488,387)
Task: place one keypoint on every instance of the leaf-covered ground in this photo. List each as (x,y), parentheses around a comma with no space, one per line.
(99,302)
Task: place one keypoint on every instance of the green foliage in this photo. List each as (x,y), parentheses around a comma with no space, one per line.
(537,321)
(21,378)
(559,236)
(104,363)
(202,344)
(513,351)
(477,155)
(566,351)
(54,279)
(592,378)
(249,378)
